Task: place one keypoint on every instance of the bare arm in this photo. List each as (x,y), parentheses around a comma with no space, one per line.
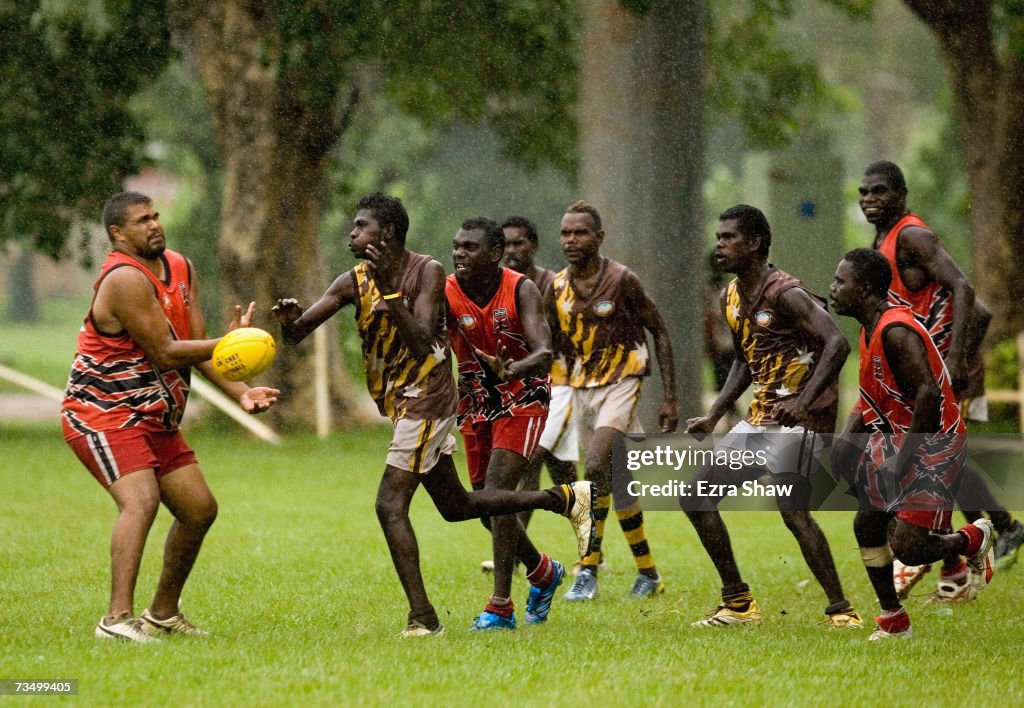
(537,332)
(418,325)
(921,248)
(296,324)
(738,381)
(126,301)
(817,326)
(908,357)
(650,317)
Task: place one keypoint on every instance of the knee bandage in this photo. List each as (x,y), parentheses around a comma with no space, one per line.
(877,557)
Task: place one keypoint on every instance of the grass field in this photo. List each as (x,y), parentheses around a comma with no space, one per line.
(297,590)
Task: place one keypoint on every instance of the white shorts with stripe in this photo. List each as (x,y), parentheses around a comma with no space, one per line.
(611,406)
(560,436)
(417,445)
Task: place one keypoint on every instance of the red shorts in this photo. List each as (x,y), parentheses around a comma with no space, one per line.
(520,434)
(936,520)
(113,454)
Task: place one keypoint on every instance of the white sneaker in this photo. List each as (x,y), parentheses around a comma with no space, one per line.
(130,629)
(905,577)
(582,515)
(172,625)
(950,592)
(981,565)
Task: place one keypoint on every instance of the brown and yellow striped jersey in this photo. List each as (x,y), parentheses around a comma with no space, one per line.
(603,333)
(780,358)
(402,385)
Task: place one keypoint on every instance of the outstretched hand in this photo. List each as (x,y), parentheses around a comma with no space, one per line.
(240,319)
(258,399)
(287,310)
(499,363)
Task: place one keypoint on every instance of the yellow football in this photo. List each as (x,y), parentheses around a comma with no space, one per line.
(244,353)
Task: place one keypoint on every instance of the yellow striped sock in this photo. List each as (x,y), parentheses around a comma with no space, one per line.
(632,522)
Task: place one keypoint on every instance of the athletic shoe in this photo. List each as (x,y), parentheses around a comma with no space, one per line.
(583,588)
(895,627)
(725,617)
(905,577)
(487,621)
(172,625)
(581,514)
(645,587)
(602,567)
(1007,546)
(950,592)
(539,603)
(418,629)
(981,565)
(845,620)
(128,629)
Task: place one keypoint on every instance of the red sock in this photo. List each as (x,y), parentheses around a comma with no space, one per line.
(974,538)
(958,572)
(500,606)
(543,574)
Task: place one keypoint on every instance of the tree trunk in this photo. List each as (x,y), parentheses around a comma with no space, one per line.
(984,102)
(642,162)
(274,150)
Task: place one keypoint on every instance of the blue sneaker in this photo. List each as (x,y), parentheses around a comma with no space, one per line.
(539,603)
(487,621)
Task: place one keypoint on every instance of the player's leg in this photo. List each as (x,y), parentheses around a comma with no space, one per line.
(394,494)
(124,464)
(185,493)
(137,496)
(701,507)
(871,531)
(792,457)
(738,605)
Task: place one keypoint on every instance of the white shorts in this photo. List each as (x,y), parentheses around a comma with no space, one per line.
(417,445)
(786,450)
(611,406)
(560,436)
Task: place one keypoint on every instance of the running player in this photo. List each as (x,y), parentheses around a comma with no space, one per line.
(914,448)
(601,309)
(927,280)
(789,348)
(503,348)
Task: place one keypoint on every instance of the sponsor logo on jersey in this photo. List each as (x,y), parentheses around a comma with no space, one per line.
(876,368)
(501,323)
(604,308)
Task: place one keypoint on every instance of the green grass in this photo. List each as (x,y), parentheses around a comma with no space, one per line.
(296,586)
(43,349)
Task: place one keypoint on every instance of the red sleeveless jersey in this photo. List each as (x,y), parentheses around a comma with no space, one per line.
(112,385)
(887,412)
(932,305)
(483,396)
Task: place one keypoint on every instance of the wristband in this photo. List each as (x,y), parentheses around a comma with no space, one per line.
(393,296)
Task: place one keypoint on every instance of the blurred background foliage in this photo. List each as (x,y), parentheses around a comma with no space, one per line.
(93,92)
